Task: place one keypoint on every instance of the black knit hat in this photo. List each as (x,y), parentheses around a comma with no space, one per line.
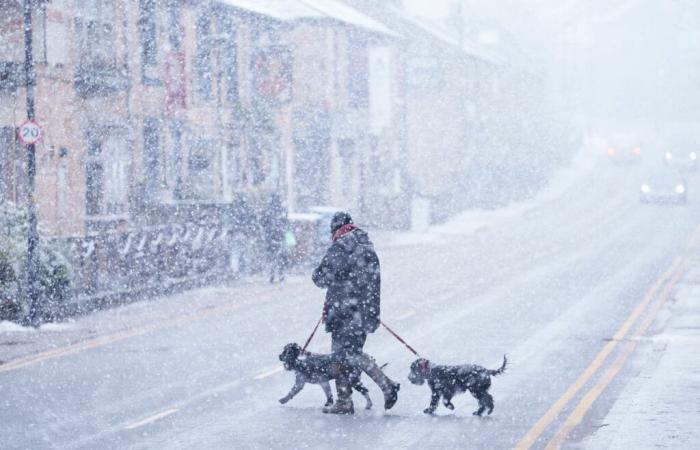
(339,219)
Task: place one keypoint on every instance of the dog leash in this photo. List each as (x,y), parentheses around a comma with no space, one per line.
(303,349)
(399,339)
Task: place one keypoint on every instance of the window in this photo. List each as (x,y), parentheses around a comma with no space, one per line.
(200,170)
(107,174)
(203,57)
(229,58)
(358,76)
(94,187)
(62,189)
(11,32)
(7,144)
(94,31)
(148,34)
(175,30)
(151,157)
(175,161)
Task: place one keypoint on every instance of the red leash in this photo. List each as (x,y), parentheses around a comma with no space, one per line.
(393,333)
(303,349)
(399,338)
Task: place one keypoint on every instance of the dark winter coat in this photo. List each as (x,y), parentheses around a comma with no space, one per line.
(350,272)
(274,224)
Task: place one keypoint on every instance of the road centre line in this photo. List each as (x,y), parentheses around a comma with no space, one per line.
(536,431)
(114,337)
(576,417)
(151,419)
(269,372)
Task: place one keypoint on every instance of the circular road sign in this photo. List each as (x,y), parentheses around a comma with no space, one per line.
(29,132)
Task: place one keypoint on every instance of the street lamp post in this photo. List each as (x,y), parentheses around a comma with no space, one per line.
(33,317)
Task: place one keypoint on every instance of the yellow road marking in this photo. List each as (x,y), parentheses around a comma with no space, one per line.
(269,373)
(587,401)
(114,337)
(151,419)
(534,433)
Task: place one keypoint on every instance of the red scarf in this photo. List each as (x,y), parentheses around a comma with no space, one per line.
(342,231)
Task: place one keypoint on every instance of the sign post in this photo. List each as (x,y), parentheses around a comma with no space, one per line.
(31,131)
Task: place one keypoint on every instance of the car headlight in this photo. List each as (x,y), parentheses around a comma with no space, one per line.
(645,188)
(693,156)
(668,155)
(680,189)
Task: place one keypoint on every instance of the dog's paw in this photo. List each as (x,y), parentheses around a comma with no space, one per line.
(284,400)
(428,411)
(477,413)
(328,403)
(450,406)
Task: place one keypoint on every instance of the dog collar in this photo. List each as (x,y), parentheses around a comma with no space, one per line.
(424,366)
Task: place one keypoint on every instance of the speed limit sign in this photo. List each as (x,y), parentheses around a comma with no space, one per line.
(29,132)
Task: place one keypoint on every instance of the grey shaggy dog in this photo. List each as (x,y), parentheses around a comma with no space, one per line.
(317,369)
(446,381)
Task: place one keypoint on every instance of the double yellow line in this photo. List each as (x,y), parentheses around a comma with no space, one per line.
(651,303)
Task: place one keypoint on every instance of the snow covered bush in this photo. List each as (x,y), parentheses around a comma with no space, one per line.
(54,271)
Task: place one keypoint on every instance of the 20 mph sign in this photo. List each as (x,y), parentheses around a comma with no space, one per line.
(29,132)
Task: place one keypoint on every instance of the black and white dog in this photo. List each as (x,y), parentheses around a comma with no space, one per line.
(317,369)
(446,381)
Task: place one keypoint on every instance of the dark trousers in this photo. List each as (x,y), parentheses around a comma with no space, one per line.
(346,348)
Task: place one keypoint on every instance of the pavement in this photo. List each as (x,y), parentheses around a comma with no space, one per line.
(660,406)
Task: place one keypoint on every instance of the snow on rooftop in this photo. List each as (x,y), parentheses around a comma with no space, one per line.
(344,13)
(290,10)
(283,10)
(445,35)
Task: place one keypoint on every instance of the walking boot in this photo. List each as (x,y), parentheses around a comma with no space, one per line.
(389,388)
(391,395)
(343,384)
(342,406)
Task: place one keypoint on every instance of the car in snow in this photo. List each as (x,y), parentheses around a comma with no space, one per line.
(624,149)
(663,186)
(682,155)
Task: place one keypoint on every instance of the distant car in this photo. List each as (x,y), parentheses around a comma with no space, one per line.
(664,186)
(682,156)
(624,149)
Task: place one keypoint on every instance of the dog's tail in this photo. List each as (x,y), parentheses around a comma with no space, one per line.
(501,369)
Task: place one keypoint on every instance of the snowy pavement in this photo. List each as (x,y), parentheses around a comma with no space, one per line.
(660,407)
(553,287)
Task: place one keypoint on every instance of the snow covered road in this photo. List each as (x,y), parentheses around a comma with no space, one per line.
(551,287)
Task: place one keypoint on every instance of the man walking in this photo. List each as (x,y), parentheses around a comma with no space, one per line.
(350,273)
(275,224)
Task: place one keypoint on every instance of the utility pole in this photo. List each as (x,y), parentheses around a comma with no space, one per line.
(34,316)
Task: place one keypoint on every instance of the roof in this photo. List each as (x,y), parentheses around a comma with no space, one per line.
(276,9)
(443,34)
(344,13)
(293,10)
